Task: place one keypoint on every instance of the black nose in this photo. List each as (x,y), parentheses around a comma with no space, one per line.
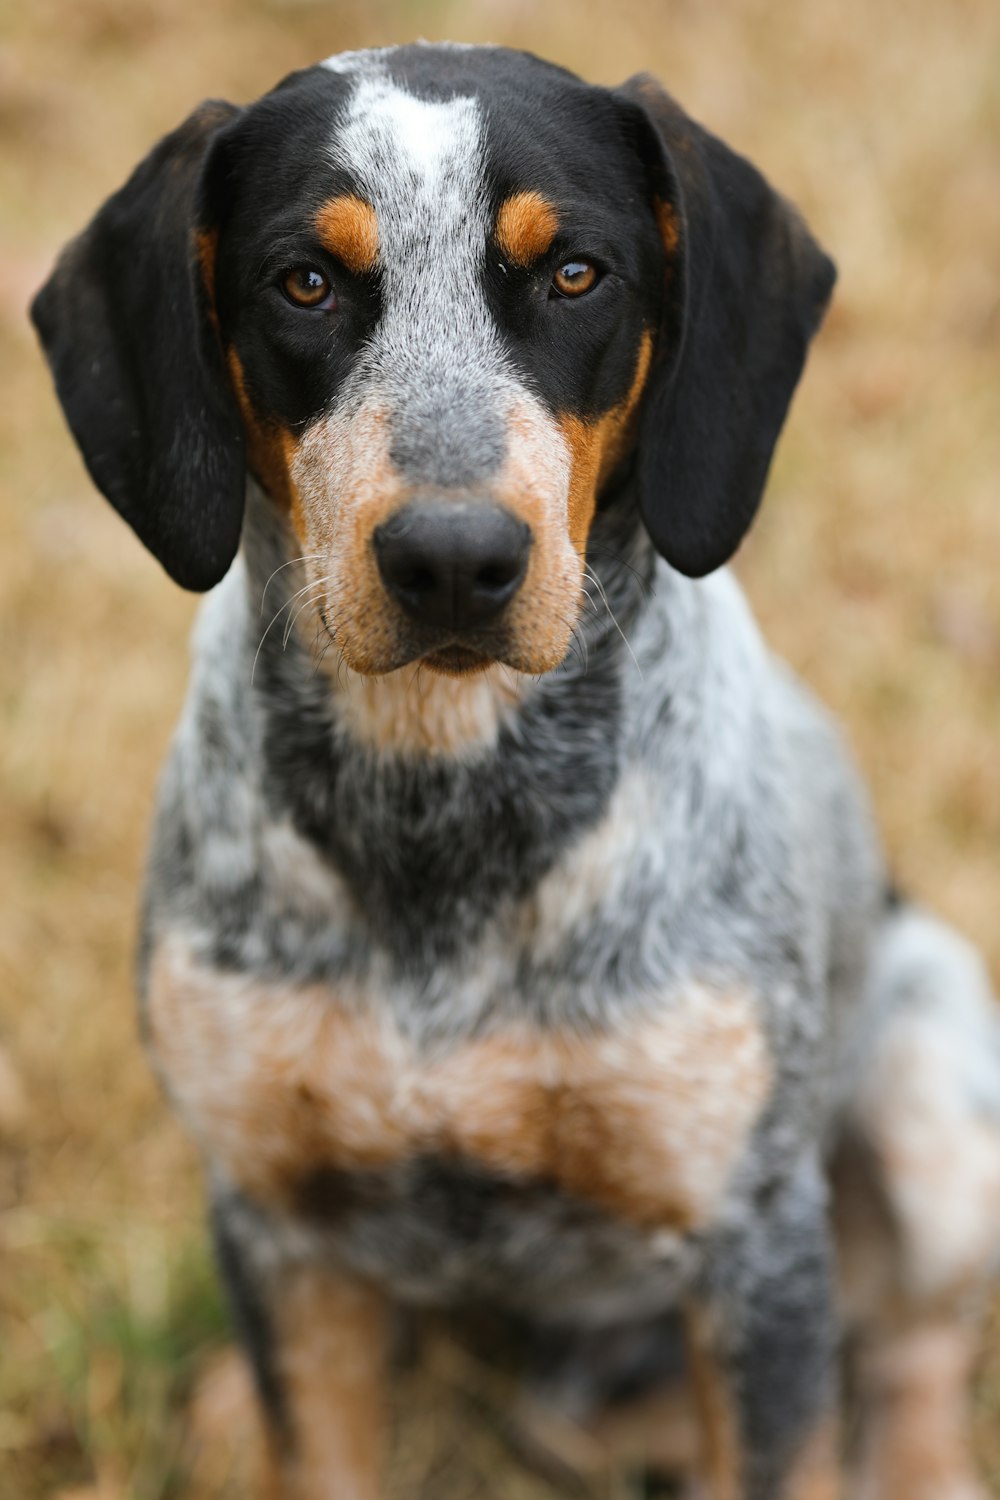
(451,562)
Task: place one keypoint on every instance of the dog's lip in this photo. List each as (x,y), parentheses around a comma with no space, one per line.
(450,654)
(455,657)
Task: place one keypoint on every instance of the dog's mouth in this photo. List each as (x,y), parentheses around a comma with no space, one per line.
(451,655)
(458,661)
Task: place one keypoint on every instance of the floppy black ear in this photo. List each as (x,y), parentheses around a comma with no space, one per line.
(127,326)
(745,291)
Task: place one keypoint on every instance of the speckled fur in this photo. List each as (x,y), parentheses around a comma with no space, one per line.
(678,811)
(577,998)
(686,816)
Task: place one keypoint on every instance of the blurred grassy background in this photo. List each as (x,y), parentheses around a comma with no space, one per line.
(874,568)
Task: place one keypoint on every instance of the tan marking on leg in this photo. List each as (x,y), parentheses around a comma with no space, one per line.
(658,1430)
(917,1213)
(599,446)
(816,1473)
(526,226)
(939,1160)
(867,1275)
(331,1355)
(913,1364)
(720,1457)
(647,1122)
(348,227)
(916,1389)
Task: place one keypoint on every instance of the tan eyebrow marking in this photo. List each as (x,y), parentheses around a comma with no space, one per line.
(526,227)
(348,228)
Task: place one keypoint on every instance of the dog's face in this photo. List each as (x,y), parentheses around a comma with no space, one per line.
(436,299)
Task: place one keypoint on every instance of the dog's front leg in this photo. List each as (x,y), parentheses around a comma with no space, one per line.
(316,1339)
(762,1347)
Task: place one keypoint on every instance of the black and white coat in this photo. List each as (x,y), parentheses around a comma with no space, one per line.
(539,952)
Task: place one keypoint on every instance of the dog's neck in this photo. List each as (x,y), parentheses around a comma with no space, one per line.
(433,794)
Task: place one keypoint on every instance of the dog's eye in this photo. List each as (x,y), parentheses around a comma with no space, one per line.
(574,278)
(306,287)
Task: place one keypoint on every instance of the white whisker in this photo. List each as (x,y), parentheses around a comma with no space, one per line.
(592,576)
(277,614)
(306,557)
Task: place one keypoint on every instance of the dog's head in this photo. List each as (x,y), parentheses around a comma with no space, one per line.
(437,300)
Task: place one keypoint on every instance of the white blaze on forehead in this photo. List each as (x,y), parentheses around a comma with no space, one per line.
(419,162)
(427,138)
(433,384)
(355,62)
(436,355)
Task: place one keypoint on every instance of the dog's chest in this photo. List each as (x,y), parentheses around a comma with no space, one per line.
(286,1087)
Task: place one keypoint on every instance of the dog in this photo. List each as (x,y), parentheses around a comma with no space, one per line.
(516,934)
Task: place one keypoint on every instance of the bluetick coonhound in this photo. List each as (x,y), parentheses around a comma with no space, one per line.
(515,931)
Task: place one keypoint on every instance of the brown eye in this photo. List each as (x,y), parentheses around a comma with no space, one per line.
(307,287)
(574,278)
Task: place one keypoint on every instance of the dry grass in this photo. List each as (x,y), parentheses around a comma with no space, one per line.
(874,569)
